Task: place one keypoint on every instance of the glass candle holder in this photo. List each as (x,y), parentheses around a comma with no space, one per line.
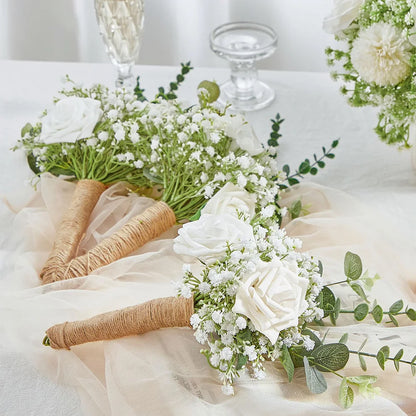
(242,44)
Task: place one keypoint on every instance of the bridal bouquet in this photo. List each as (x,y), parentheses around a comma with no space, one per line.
(377,63)
(256,298)
(185,154)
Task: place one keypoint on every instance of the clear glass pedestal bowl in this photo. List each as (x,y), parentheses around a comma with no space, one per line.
(242,44)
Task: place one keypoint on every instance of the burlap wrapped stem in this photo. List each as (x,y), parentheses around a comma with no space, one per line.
(134,320)
(140,229)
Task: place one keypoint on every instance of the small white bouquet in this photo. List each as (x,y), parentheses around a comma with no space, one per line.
(377,61)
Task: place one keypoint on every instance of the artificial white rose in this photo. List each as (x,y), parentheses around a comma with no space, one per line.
(207,238)
(230,199)
(238,129)
(272,297)
(71,119)
(344,12)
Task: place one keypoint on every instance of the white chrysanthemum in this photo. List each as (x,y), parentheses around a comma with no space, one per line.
(381,55)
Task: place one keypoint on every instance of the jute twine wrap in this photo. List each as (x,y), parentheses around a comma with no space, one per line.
(142,228)
(134,320)
(72,227)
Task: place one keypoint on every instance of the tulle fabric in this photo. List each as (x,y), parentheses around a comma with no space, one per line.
(163,372)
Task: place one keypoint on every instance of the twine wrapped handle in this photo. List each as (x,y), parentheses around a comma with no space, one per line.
(139,230)
(133,320)
(72,227)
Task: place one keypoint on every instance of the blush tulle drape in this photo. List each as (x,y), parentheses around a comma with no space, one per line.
(163,372)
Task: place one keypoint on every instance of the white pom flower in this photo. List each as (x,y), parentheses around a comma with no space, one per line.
(380,54)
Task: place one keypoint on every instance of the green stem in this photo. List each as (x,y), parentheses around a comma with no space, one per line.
(367,354)
(336,283)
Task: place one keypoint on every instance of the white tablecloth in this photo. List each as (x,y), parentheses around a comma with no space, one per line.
(315,113)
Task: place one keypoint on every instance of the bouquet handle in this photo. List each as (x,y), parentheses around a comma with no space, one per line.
(139,319)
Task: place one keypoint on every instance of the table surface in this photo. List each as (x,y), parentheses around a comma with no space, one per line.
(315,113)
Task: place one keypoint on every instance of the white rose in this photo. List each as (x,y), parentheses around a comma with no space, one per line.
(273,298)
(71,118)
(229,200)
(343,14)
(238,129)
(207,238)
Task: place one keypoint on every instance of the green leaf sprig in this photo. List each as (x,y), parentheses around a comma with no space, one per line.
(308,167)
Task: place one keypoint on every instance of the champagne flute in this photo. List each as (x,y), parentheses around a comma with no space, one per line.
(121,24)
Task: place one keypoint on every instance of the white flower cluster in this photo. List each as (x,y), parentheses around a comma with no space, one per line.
(255,297)
(191,152)
(377,60)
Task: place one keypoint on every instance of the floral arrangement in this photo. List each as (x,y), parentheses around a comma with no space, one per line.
(256,298)
(378,62)
(97,137)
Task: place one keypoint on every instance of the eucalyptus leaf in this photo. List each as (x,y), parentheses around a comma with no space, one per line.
(27,128)
(352,266)
(377,313)
(241,361)
(331,357)
(31,161)
(396,307)
(359,291)
(326,300)
(397,359)
(363,364)
(393,320)
(346,394)
(361,311)
(314,379)
(382,355)
(287,363)
(411,314)
(343,339)
(295,209)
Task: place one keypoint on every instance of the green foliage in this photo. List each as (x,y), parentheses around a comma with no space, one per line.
(173,86)
(361,311)
(208,92)
(353,267)
(287,363)
(397,102)
(275,133)
(295,209)
(308,167)
(346,394)
(314,379)
(330,357)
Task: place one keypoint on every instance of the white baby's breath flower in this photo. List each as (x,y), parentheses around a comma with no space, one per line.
(217,317)
(201,336)
(102,135)
(381,54)
(181,119)
(138,164)
(241,180)
(226,353)
(215,360)
(195,320)
(204,287)
(241,322)
(268,211)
